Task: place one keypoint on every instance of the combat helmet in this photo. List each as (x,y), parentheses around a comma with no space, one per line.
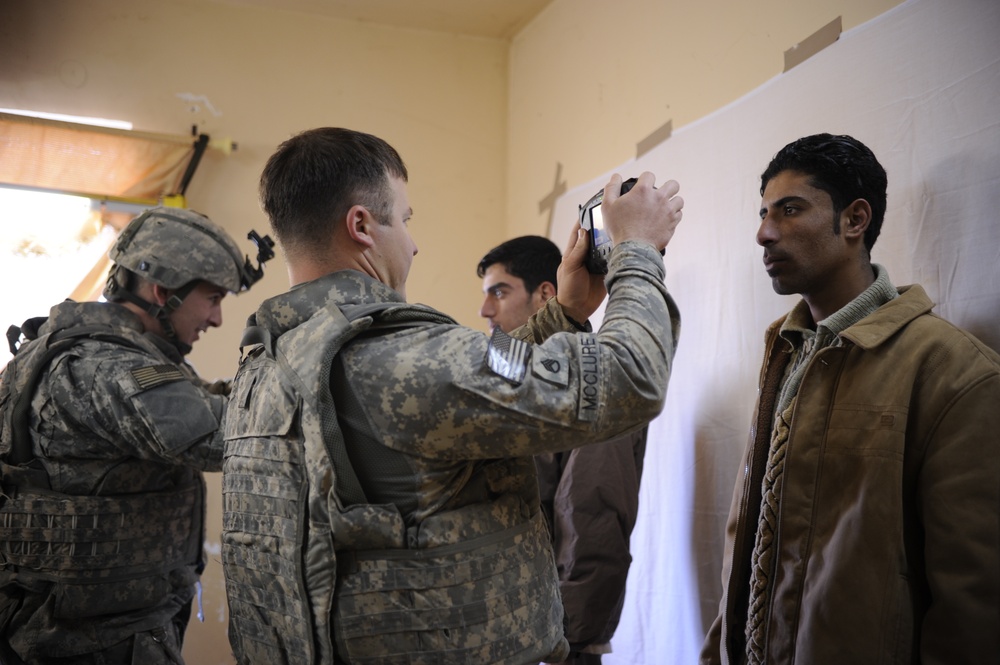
(178,248)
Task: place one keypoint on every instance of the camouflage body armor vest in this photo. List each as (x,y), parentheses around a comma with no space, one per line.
(116,547)
(307,560)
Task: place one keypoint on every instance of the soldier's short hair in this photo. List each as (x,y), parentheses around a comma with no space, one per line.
(317,175)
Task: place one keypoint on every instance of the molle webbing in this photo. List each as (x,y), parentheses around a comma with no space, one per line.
(494,599)
(277,545)
(265,494)
(393,604)
(81,539)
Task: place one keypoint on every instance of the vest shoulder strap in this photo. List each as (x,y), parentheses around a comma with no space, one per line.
(284,455)
(20,392)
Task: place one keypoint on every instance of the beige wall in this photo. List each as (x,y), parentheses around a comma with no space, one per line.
(439,99)
(585,82)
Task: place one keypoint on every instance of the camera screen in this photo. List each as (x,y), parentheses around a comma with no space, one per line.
(597,222)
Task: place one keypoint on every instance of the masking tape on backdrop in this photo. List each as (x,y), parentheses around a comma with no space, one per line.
(814,43)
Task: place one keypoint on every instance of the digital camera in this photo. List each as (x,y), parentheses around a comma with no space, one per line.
(592,220)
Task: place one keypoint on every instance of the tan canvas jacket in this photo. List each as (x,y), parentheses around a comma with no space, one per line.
(889,522)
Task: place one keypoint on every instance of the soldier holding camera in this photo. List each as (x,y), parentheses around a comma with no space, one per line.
(395,447)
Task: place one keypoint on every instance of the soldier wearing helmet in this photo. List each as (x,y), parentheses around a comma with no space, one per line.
(104,436)
(166,256)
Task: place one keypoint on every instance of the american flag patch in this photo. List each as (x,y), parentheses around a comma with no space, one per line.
(507,356)
(156,375)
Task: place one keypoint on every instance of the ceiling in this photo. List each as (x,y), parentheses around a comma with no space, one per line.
(497,19)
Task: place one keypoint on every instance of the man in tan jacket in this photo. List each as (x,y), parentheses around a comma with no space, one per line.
(866,523)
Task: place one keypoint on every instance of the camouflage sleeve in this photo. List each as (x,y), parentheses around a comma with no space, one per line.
(144,406)
(544,323)
(436,395)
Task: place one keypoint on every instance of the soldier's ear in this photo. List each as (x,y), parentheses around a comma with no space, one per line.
(358,221)
(161,295)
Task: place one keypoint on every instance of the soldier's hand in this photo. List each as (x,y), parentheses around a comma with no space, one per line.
(644,213)
(580,293)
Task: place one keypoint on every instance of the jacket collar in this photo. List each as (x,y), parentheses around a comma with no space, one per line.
(875,329)
(70,314)
(114,317)
(346,287)
(798,326)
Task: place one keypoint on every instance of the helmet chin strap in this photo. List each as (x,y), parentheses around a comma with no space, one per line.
(167,326)
(160,312)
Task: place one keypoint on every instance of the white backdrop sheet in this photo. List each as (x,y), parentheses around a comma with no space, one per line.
(920,85)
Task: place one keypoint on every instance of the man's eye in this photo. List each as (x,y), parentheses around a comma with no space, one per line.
(498,294)
(790,210)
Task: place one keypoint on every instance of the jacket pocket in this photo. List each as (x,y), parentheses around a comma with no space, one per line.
(868,430)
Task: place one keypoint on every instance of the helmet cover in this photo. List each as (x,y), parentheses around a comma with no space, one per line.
(173,247)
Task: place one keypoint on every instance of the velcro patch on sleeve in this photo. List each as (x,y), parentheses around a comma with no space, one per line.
(551,369)
(590,378)
(507,356)
(156,375)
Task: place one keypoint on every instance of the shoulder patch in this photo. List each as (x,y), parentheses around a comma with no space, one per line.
(551,369)
(156,375)
(507,356)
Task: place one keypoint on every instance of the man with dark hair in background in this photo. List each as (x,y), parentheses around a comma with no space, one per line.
(519,277)
(380,499)
(590,494)
(866,525)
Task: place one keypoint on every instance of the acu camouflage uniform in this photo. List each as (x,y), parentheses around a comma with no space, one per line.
(105,432)
(102,532)
(421,540)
